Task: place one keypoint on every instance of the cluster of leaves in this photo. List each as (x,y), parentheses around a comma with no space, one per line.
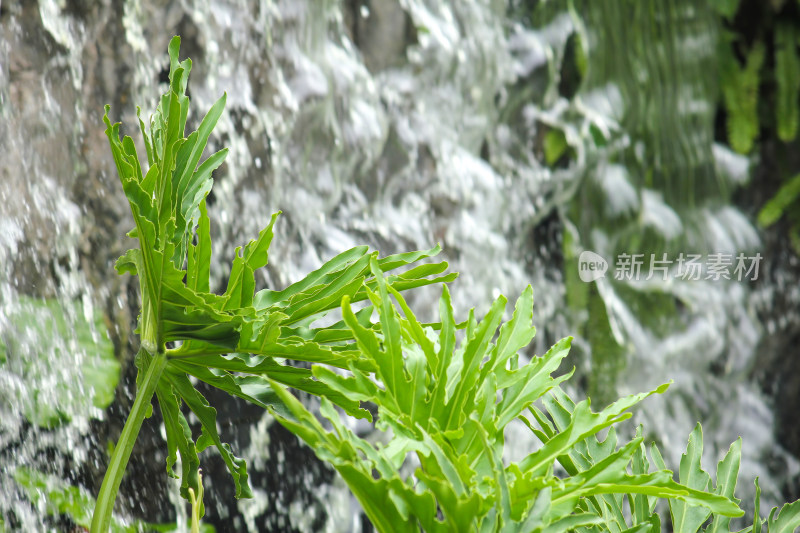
(446,408)
(752,74)
(446,404)
(235,340)
(746,77)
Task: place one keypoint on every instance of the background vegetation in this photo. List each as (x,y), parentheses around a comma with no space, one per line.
(516,134)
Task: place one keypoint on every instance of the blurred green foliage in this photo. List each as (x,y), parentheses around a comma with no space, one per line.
(759,66)
(43,334)
(59,498)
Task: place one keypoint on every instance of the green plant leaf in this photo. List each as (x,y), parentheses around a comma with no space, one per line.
(179,439)
(446,403)
(685,518)
(191,184)
(514,335)
(757,520)
(208,419)
(572,522)
(218,371)
(583,423)
(740,95)
(530,382)
(775,208)
(198,269)
(726,8)
(641,505)
(461,469)
(727,475)
(313,281)
(464,371)
(788,519)
(787,76)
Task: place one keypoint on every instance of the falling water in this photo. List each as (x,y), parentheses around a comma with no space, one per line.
(395,124)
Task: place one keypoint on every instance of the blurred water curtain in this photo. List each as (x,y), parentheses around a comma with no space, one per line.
(656,187)
(518,134)
(655,184)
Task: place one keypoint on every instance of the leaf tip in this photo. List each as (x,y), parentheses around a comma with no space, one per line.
(663,387)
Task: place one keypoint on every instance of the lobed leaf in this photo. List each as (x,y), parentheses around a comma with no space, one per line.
(788,519)
(685,518)
(208,420)
(179,439)
(727,474)
(583,423)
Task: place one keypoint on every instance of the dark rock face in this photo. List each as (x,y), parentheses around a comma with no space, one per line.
(777,367)
(787,406)
(777,302)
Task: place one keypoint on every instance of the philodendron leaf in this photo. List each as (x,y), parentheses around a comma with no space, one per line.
(642,488)
(234,340)
(447,406)
(242,281)
(198,267)
(686,519)
(514,335)
(530,382)
(641,505)
(192,184)
(390,358)
(467,374)
(788,519)
(179,439)
(208,419)
(313,281)
(461,467)
(339,448)
(757,520)
(583,423)
(727,474)
(254,388)
(572,522)
(661,485)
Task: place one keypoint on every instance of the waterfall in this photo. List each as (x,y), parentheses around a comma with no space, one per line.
(394,124)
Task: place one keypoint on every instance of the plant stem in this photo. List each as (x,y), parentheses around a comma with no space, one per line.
(101,520)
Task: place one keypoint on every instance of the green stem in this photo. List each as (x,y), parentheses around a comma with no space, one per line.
(101,520)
